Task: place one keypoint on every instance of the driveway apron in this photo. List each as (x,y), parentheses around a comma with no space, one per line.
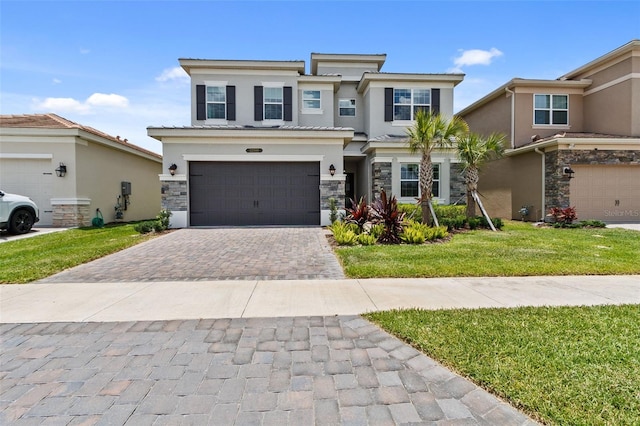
(290,253)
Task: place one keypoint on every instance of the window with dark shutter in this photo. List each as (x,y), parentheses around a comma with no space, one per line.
(288,103)
(435,101)
(231,103)
(388,104)
(257,96)
(201,102)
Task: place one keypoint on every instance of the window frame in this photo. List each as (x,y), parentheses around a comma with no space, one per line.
(551,109)
(352,105)
(223,89)
(435,189)
(412,103)
(416,180)
(265,103)
(318,99)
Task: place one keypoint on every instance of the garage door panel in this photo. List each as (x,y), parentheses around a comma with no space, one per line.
(32,178)
(610,193)
(254,193)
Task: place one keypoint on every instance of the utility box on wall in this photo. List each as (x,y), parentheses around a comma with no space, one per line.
(126,188)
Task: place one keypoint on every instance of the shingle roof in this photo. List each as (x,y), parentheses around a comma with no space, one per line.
(579,135)
(53,121)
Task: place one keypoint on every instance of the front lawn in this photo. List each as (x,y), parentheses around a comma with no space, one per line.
(30,259)
(561,365)
(520,249)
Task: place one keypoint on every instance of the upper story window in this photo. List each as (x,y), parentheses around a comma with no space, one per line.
(347,107)
(311,99)
(409,180)
(273,101)
(216,102)
(406,102)
(551,109)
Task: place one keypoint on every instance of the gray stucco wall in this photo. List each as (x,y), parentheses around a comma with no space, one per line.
(348,91)
(244,94)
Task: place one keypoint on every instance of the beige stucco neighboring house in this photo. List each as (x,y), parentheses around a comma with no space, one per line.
(269,144)
(70,170)
(573,141)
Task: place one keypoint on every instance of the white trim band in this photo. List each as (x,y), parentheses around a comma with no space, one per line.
(19,156)
(252,158)
(71,201)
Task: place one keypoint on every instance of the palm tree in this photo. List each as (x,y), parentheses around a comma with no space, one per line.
(431,131)
(473,151)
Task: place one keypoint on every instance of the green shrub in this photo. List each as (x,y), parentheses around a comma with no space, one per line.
(497,222)
(436,233)
(145,227)
(163,220)
(593,223)
(344,233)
(453,223)
(412,235)
(376,230)
(333,210)
(449,211)
(474,222)
(411,211)
(367,239)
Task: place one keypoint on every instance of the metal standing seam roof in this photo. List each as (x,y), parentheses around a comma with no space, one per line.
(239,127)
(54,121)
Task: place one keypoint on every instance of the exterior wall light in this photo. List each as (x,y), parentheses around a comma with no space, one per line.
(332,170)
(567,172)
(172,169)
(61,171)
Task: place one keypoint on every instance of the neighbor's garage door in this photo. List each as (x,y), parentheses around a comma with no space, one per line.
(32,178)
(610,193)
(241,193)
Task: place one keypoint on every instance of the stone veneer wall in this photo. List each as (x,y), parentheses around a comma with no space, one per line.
(557,188)
(332,189)
(71,215)
(457,187)
(380,179)
(174,195)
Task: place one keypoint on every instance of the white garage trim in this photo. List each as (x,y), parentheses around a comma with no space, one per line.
(19,156)
(249,158)
(71,201)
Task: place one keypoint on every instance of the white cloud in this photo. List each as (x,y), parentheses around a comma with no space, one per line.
(475,57)
(110,100)
(89,106)
(61,105)
(57,81)
(176,73)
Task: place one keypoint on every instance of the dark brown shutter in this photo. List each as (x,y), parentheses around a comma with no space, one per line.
(287,94)
(257,97)
(201,102)
(231,103)
(388,104)
(435,101)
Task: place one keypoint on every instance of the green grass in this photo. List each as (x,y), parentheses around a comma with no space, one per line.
(30,259)
(520,249)
(562,365)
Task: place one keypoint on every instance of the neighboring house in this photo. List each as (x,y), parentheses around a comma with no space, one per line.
(71,170)
(574,141)
(271,145)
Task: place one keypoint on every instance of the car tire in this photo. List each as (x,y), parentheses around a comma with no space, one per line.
(21,221)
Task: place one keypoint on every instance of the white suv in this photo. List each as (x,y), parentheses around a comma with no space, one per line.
(17,213)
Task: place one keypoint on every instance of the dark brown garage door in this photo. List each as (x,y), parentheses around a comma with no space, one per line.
(239,193)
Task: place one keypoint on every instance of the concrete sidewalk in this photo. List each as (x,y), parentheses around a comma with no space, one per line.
(148,301)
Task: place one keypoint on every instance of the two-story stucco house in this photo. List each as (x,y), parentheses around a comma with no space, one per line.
(574,141)
(270,144)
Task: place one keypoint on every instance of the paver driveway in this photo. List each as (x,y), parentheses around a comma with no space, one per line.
(259,371)
(217,254)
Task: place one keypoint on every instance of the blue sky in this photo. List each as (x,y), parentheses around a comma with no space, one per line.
(112,64)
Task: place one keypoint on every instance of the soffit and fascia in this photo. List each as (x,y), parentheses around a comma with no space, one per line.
(368,78)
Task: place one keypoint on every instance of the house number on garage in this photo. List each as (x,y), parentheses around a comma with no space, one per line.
(254,150)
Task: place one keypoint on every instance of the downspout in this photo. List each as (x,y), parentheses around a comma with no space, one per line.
(537,150)
(513,118)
